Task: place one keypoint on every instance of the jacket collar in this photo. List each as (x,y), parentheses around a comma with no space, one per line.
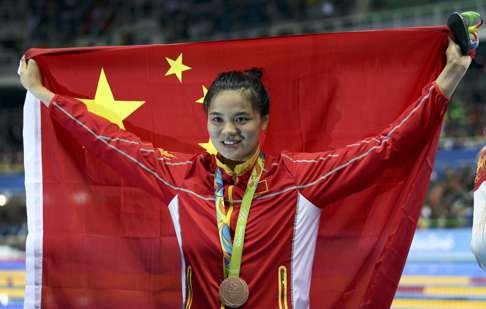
(241,168)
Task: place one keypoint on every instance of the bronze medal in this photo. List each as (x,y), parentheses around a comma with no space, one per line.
(233,292)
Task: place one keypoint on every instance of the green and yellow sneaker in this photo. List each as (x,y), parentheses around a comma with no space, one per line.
(465,27)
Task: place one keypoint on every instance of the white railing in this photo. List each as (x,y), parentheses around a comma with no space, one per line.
(149,29)
(424,15)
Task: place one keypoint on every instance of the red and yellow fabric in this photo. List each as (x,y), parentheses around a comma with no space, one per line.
(96,238)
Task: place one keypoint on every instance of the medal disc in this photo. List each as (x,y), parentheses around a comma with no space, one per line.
(233,292)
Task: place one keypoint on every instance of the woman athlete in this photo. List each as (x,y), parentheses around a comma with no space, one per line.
(242,198)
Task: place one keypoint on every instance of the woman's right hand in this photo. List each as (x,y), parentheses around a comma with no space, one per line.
(30,76)
(31,79)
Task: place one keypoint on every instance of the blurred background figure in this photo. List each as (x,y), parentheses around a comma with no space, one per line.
(441,271)
(478,241)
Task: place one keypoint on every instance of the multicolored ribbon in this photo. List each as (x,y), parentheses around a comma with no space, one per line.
(232,253)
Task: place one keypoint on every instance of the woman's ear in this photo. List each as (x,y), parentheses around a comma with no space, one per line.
(264,122)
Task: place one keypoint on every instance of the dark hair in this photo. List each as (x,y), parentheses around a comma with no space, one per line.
(249,81)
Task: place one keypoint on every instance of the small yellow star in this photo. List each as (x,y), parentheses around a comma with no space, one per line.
(176,67)
(166,154)
(205,91)
(209,147)
(107,107)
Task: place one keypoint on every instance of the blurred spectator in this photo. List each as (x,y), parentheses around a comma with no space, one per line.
(449,200)
(467,115)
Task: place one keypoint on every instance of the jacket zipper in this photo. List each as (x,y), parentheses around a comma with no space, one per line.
(189,287)
(282,287)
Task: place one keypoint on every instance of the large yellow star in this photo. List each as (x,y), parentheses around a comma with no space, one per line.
(209,147)
(205,91)
(107,107)
(176,67)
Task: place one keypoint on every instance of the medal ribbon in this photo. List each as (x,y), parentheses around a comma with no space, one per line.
(233,250)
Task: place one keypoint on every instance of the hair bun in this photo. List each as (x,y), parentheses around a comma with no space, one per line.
(256,73)
(247,82)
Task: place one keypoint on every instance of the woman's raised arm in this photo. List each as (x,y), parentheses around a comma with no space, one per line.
(454,71)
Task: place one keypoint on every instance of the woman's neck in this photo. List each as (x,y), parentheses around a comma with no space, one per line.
(230,163)
(238,167)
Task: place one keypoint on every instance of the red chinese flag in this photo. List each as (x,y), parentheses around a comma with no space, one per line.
(96,241)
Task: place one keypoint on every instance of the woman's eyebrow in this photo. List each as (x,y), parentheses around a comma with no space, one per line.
(236,114)
(242,114)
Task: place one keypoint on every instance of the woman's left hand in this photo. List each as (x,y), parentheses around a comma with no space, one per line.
(456,66)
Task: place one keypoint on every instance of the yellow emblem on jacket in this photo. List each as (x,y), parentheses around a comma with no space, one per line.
(166,154)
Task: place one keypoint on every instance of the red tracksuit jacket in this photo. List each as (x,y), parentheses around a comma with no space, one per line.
(284,218)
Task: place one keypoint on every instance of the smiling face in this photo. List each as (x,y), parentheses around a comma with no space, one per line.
(234,126)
